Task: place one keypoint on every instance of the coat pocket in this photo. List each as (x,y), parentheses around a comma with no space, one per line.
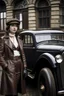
(10,66)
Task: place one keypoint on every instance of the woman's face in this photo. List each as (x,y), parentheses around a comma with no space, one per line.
(13,28)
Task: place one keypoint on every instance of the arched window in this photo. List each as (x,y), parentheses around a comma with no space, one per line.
(20,12)
(62,12)
(2,16)
(43,10)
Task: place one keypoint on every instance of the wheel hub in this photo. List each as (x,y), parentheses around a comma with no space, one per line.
(42,88)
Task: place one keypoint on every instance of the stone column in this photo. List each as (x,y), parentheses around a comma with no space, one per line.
(9,12)
(31,17)
(55,14)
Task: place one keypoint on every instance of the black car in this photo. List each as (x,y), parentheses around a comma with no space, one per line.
(44,52)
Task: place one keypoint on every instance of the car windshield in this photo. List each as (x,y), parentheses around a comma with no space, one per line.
(48,38)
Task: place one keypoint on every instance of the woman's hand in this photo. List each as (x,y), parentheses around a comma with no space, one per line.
(25,74)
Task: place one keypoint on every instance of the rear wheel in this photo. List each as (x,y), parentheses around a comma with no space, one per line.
(46,83)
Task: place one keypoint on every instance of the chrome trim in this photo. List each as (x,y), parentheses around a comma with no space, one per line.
(60,92)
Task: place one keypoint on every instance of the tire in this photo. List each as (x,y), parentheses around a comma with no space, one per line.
(46,83)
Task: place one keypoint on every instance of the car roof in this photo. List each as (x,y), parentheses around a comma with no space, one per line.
(42,31)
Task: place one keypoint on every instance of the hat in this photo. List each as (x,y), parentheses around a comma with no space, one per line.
(13,21)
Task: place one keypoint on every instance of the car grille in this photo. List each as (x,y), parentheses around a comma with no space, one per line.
(62,70)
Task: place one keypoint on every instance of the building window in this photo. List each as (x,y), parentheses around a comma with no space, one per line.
(23,17)
(43,14)
(2,16)
(2,21)
(20,17)
(21,12)
(62,12)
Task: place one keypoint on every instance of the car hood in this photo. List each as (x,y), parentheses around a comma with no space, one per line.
(50,47)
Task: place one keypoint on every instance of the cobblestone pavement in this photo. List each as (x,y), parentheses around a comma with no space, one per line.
(31,88)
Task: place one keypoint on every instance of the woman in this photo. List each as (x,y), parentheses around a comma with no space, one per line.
(12,61)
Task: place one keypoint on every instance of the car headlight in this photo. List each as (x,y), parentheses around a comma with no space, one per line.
(58,58)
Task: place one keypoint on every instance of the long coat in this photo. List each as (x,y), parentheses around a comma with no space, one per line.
(6,59)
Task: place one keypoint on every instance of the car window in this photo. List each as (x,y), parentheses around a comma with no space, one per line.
(27,40)
(43,37)
(47,36)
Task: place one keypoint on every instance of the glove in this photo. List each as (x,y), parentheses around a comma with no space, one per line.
(25,72)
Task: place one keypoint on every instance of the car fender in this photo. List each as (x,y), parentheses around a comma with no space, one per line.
(49,57)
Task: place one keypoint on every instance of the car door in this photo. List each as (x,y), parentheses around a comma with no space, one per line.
(30,51)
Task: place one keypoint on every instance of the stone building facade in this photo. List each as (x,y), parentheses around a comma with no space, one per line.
(33,14)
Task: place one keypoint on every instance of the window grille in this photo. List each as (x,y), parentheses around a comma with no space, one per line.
(62,12)
(2,21)
(43,14)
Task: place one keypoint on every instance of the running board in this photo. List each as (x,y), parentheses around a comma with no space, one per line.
(31,76)
(61,92)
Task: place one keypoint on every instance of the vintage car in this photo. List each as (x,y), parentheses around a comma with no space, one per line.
(44,52)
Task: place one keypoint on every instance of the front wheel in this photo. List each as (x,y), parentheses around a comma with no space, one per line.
(46,83)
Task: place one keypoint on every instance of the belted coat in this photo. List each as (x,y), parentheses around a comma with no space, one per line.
(6,59)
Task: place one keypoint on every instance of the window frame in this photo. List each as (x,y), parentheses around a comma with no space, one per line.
(27,40)
(24,12)
(2,20)
(44,9)
(62,12)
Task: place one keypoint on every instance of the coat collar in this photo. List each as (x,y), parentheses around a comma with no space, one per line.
(9,43)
